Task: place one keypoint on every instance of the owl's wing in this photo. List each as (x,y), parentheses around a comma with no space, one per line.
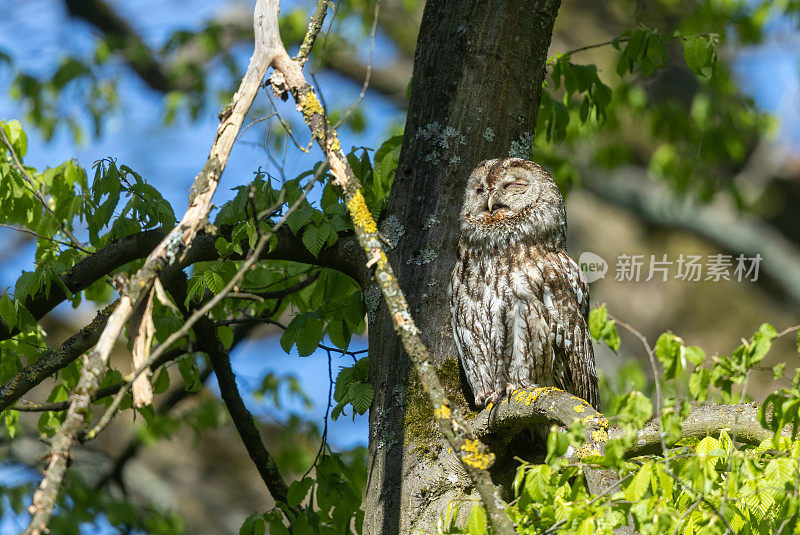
(565,295)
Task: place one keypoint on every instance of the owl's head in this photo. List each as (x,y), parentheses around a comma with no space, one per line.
(511,200)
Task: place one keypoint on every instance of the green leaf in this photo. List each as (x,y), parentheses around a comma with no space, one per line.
(8,312)
(709,446)
(10,418)
(17,137)
(695,355)
(255,525)
(639,484)
(225,333)
(339,333)
(700,54)
(778,370)
(477,521)
(353,388)
(213,281)
(297,491)
(161,382)
(190,373)
(300,217)
(360,396)
(698,383)
(316,236)
(305,332)
(386,159)
(603,329)
(636,407)
(671,352)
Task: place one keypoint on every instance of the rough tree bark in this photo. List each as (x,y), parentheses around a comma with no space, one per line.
(476,87)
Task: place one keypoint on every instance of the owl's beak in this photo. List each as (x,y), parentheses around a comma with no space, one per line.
(490,202)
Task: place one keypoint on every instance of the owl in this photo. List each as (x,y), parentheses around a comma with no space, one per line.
(519,303)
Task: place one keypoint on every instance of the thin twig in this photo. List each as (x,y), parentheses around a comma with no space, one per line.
(364,87)
(270,321)
(39,236)
(255,122)
(324,438)
(55,406)
(314,26)
(286,126)
(597,45)
(656,378)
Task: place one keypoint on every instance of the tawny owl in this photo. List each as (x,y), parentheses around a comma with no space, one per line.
(518,302)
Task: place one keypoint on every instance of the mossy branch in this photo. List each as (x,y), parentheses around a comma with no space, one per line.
(499,424)
(474,455)
(526,408)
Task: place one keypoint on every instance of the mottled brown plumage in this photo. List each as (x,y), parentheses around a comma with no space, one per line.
(519,303)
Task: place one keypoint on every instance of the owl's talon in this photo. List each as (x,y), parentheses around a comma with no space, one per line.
(483,400)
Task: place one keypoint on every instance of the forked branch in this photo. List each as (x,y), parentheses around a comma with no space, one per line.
(171,250)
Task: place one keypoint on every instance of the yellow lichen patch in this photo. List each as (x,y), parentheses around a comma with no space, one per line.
(311,105)
(586,450)
(476,455)
(600,435)
(526,397)
(542,391)
(333,143)
(357,207)
(593,420)
(579,408)
(443,411)
(521,396)
(489,406)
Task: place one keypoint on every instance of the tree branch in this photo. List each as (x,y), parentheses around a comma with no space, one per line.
(87,271)
(342,256)
(110,390)
(122,36)
(242,418)
(54,360)
(207,341)
(739,420)
(170,251)
(249,262)
(171,400)
(499,424)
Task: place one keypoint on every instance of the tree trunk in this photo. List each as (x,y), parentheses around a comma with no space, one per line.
(476,87)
